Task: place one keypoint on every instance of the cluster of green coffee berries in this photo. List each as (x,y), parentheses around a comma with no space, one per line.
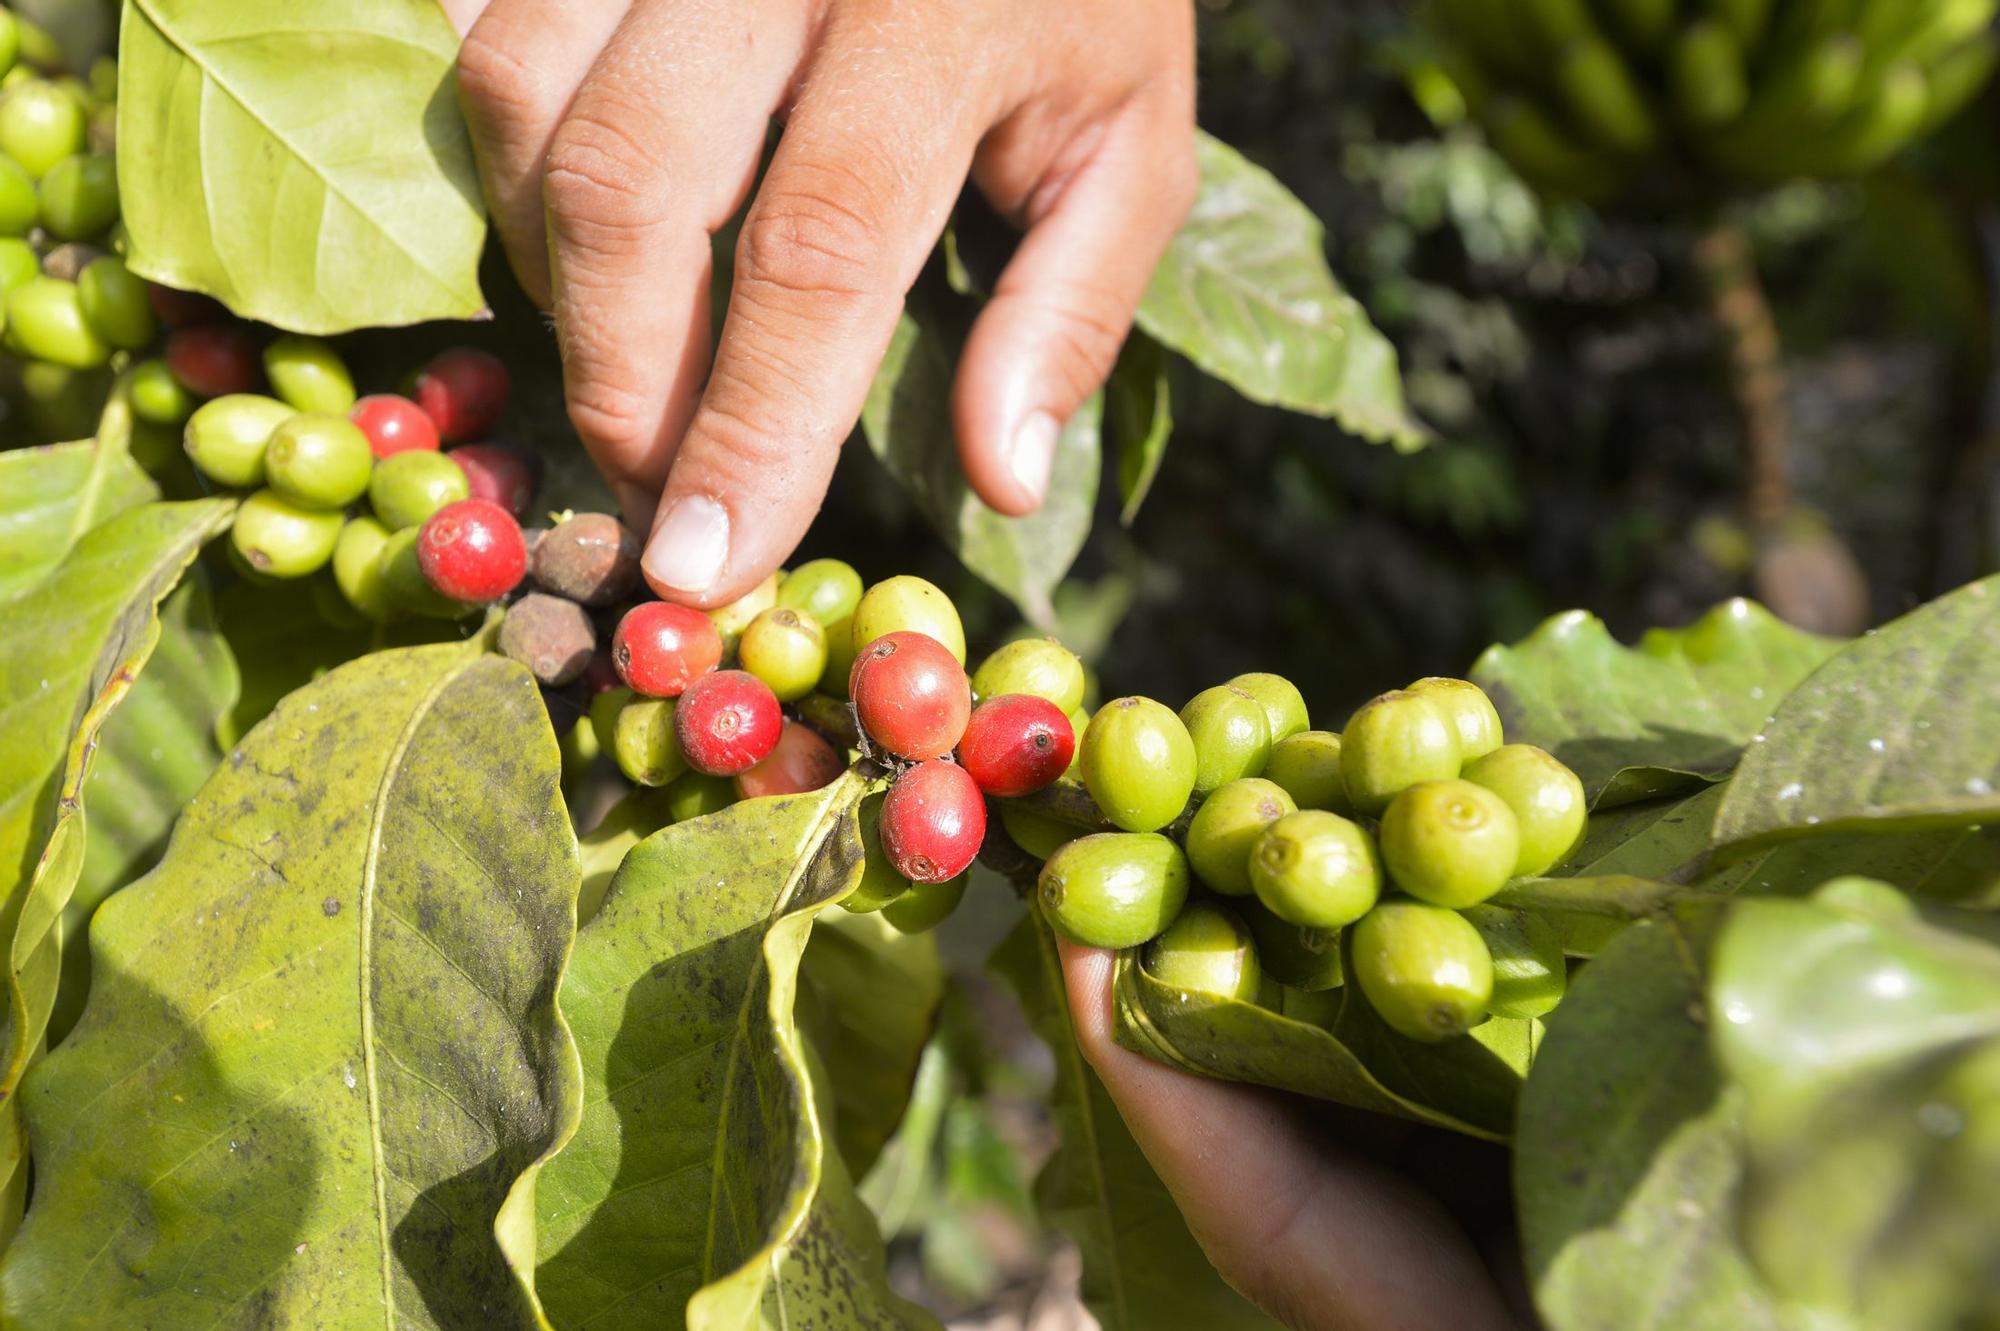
(1587,96)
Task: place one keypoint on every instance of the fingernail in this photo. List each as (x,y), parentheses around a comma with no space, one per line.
(689,546)
(1031,452)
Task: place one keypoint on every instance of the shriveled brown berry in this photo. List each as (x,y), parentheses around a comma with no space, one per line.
(591,558)
(550,636)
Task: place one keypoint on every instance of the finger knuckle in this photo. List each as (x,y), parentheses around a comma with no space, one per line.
(498,85)
(754,436)
(610,419)
(809,244)
(1086,335)
(601,184)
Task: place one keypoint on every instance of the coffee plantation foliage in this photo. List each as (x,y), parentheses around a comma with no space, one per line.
(321,1010)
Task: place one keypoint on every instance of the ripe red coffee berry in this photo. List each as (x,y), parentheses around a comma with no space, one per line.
(214,360)
(507,476)
(472,551)
(395,425)
(1016,744)
(911,695)
(933,820)
(727,722)
(661,648)
(463,391)
(802,761)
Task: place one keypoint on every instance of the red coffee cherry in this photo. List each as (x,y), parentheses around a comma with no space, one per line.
(177,309)
(472,551)
(660,648)
(933,820)
(394,425)
(727,722)
(1016,744)
(507,476)
(801,762)
(463,391)
(911,695)
(214,360)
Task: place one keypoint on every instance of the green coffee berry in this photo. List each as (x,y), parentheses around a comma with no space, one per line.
(154,447)
(10,40)
(18,261)
(1307,765)
(604,709)
(1391,744)
(20,205)
(730,620)
(309,374)
(1467,709)
(1451,843)
(1310,1007)
(62,403)
(1206,951)
(786,649)
(45,320)
(40,125)
(925,906)
(1315,868)
(403,578)
(115,304)
(280,539)
(1113,889)
(1284,706)
(1294,955)
(697,794)
(826,589)
(1138,763)
(1424,969)
(880,883)
(1547,800)
(1037,834)
(1079,721)
(1226,828)
(80,196)
(643,742)
(1231,734)
(1040,666)
(1529,972)
(331,603)
(908,604)
(319,461)
(406,488)
(840,654)
(357,567)
(226,438)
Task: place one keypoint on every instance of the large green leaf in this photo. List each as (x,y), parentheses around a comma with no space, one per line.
(1245,293)
(869,996)
(907,421)
(1901,729)
(1142,1269)
(49,497)
(1636,723)
(1867,1044)
(699,1184)
(1627,1167)
(322,1058)
(306,163)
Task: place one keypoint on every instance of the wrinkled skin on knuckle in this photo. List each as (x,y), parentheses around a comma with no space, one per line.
(496,86)
(614,422)
(809,247)
(603,185)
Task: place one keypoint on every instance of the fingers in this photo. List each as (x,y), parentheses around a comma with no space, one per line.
(856,195)
(1312,1233)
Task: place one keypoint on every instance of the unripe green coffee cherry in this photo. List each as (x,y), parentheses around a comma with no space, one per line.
(826,589)
(1309,1007)
(1113,889)
(697,794)
(643,742)
(1468,710)
(357,567)
(226,438)
(10,40)
(925,906)
(319,461)
(1529,972)
(880,883)
(1138,763)
(80,196)
(1294,955)
(604,709)
(1307,765)
(45,320)
(1451,843)
(40,125)
(730,620)
(840,656)
(1206,951)
(1284,705)
(309,374)
(1391,744)
(154,447)
(1038,835)
(1039,666)
(908,604)
(20,205)
(1547,800)
(1226,828)
(1079,721)
(115,305)
(280,539)
(62,403)
(18,262)
(1231,733)
(333,605)
(1424,969)
(403,578)
(786,649)
(406,488)
(1317,869)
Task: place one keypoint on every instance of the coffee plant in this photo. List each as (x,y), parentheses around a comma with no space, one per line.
(411,919)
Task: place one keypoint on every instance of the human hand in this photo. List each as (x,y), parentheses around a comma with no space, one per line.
(1308,1230)
(616,136)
